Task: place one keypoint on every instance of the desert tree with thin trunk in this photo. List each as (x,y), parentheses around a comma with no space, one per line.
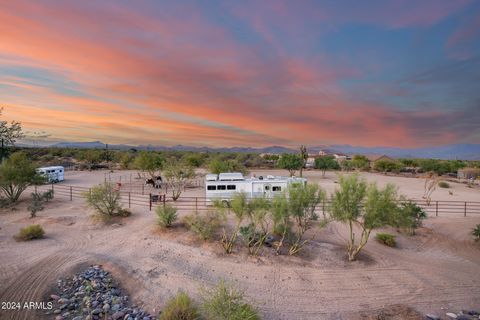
(430,185)
(325,163)
(304,157)
(291,162)
(365,207)
(150,163)
(177,174)
(9,134)
(17,173)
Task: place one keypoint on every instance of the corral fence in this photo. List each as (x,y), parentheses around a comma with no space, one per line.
(187,203)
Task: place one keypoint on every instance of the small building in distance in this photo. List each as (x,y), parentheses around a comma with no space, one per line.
(373,158)
(468,173)
(340,157)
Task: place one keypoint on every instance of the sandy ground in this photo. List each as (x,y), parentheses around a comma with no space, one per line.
(434,271)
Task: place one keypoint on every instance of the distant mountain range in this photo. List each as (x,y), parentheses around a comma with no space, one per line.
(452,151)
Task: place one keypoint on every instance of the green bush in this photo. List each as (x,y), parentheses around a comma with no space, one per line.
(204,226)
(387,239)
(226,302)
(180,307)
(476,232)
(105,199)
(30,233)
(167,215)
(444,184)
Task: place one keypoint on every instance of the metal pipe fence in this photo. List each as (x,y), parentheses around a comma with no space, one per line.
(188,203)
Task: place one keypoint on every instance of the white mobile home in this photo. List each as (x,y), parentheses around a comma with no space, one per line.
(224,185)
(53,174)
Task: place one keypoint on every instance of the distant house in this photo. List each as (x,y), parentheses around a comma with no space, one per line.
(468,173)
(373,158)
(340,157)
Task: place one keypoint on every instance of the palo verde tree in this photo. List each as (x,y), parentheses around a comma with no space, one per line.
(302,202)
(365,207)
(239,206)
(326,163)
(149,162)
(255,233)
(9,134)
(291,162)
(177,174)
(105,199)
(17,173)
(293,214)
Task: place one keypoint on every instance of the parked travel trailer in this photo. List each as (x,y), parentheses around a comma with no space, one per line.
(224,185)
(53,174)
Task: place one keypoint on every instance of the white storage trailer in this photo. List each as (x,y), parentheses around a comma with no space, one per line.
(53,174)
(224,185)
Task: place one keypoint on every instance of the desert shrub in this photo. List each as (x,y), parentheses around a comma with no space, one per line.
(226,302)
(30,233)
(180,307)
(48,195)
(36,204)
(409,217)
(204,226)
(443,184)
(476,232)
(105,200)
(167,215)
(387,239)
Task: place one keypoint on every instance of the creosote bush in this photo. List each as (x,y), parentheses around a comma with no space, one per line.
(204,226)
(387,239)
(476,232)
(443,184)
(226,302)
(105,200)
(30,233)
(167,215)
(180,307)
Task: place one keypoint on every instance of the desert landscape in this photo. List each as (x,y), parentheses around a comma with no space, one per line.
(435,271)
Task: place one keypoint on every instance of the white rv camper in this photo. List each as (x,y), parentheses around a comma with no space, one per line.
(224,185)
(53,174)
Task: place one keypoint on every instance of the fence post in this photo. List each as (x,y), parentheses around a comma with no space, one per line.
(164,198)
(71,193)
(143,189)
(129,203)
(196,204)
(436,209)
(36,189)
(52,186)
(150,201)
(465,213)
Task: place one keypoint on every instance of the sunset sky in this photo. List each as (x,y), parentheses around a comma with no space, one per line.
(243,73)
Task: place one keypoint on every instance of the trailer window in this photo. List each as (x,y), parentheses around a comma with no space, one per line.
(277,188)
(267,188)
(231,187)
(221,187)
(211,187)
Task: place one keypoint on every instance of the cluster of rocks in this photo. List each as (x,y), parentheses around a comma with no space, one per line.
(93,295)
(462,315)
